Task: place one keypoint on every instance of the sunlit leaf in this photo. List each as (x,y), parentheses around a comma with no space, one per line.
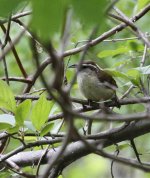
(22,112)
(7,99)
(40,112)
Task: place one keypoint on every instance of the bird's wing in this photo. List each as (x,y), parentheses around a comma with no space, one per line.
(107,79)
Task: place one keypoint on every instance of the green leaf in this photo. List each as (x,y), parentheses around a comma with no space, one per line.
(123,146)
(4,126)
(46,128)
(48,16)
(40,112)
(22,112)
(112,53)
(90,12)
(8,6)
(6,121)
(13,129)
(7,99)
(134,76)
(116,73)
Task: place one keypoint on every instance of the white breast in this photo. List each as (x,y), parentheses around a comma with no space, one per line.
(91,87)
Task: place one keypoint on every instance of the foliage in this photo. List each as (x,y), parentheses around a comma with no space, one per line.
(40,112)
(37,110)
(7,99)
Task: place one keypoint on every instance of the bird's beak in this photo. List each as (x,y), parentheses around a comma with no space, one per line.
(73,66)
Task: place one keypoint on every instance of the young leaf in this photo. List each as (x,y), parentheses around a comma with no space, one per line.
(7,99)
(22,112)
(46,129)
(40,112)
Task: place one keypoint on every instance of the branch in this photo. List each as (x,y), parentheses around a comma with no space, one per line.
(22,14)
(109,33)
(92,43)
(77,149)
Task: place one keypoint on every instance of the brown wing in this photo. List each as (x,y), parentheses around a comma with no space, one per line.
(103,76)
(106,78)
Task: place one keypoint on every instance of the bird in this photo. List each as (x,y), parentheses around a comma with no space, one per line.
(94,83)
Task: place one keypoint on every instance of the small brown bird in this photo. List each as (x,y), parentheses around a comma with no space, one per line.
(95,83)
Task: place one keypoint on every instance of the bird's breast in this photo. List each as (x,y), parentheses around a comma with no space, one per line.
(92,88)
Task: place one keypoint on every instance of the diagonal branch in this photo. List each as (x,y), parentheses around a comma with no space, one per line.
(77,149)
(92,43)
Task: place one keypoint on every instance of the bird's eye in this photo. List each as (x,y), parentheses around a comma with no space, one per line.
(84,67)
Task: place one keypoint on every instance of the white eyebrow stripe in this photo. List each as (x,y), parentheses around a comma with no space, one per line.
(90,65)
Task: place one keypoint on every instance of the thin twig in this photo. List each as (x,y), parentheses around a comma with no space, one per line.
(15,53)
(42,157)
(81,59)
(112,163)
(17,79)
(3,46)
(108,33)
(129,22)
(135,150)
(94,42)
(16,40)
(29,145)
(144,56)
(22,14)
